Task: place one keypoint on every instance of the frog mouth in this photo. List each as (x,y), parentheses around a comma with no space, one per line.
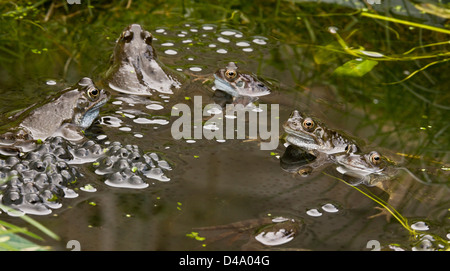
(223,85)
(357,165)
(257,88)
(92,113)
(297,134)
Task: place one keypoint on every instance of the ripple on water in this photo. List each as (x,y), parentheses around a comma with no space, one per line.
(88,188)
(223,40)
(279,234)
(125,129)
(330,208)
(101,137)
(242,44)
(214,110)
(280,237)
(111,121)
(313,212)
(260,40)
(170,52)
(211,127)
(151,121)
(228,32)
(154,106)
(195,69)
(208,27)
(420,226)
(51,82)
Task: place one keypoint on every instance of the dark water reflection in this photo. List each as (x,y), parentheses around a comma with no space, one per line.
(218,183)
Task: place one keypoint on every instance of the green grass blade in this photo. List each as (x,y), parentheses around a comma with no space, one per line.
(394,20)
(16,229)
(34,223)
(416,71)
(403,221)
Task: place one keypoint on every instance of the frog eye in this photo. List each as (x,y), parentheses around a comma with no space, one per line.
(147,37)
(93,93)
(230,74)
(308,124)
(375,158)
(127,36)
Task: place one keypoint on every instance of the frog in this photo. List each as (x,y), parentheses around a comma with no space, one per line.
(67,114)
(369,168)
(372,169)
(314,147)
(243,87)
(303,163)
(265,233)
(312,135)
(135,68)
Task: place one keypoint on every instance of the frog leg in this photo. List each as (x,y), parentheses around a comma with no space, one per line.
(9,150)
(71,132)
(244,100)
(352,178)
(382,212)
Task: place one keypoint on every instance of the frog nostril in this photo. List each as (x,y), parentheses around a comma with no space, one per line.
(127,36)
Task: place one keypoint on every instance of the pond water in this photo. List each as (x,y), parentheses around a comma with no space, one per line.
(326,60)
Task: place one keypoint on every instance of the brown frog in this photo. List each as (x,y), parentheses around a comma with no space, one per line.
(315,147)
(256,234)
(243,87)
(313,136)
(135,67)
(67,115)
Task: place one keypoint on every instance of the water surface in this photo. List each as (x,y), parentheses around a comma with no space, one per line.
(295,48)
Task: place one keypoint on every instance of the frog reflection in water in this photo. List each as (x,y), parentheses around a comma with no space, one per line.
(135,68)
(315,147)
(66,115)
(325,146)
(356,168)
(241,87)
(254,234)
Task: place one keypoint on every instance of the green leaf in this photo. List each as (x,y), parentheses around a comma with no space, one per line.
(355,68)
